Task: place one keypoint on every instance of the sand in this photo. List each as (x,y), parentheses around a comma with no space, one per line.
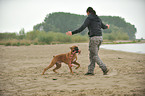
(21,68)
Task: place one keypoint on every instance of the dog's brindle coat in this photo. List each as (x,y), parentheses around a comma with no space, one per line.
(67,58)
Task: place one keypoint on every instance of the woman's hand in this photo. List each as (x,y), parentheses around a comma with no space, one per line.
(108,26)
(69,33)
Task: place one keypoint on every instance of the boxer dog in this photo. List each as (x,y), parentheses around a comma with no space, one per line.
(67,58)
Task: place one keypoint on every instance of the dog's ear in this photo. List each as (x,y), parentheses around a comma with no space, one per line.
(71,48)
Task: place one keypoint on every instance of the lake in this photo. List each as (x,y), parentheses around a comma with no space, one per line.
(134,47)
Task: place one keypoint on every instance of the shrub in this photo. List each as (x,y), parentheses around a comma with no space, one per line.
(45,38)
(116,36)
(32,35)
(18,44)
(27,44)
(8,44)
(7,36)
(79,38)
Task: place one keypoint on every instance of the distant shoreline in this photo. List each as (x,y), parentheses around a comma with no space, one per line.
(129,47)
(123,41)
(23,42)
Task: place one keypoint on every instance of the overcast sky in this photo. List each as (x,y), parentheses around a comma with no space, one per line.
(18,14)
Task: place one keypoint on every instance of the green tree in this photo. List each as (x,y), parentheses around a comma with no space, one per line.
(22,33)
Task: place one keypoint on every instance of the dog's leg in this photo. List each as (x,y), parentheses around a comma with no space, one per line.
(70,65)
(58,65)
(70,69)
(76,63)
(51,65)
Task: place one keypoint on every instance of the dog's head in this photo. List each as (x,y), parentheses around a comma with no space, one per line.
(75,49)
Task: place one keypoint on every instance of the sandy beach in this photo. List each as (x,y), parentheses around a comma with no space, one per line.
(21,68)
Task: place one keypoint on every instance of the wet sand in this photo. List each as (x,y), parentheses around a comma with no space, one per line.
(21,68)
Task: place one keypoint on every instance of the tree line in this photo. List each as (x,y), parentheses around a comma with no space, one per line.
(52,30)
(63,22)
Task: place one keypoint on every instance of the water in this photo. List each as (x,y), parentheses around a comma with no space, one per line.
(135,48)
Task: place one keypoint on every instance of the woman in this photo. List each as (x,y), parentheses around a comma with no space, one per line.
(95,26)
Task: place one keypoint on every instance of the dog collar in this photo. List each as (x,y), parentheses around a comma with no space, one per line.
(71,58)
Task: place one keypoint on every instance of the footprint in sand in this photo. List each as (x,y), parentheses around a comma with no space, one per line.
(112,72)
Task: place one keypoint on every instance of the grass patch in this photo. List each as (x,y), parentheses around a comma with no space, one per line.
(36,37)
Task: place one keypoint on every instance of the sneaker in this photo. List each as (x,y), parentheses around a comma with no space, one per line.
(105,72)
(91,74)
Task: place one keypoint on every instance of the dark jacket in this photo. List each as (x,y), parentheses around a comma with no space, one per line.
(94,24)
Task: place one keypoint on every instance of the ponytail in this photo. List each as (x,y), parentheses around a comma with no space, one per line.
(91,10)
